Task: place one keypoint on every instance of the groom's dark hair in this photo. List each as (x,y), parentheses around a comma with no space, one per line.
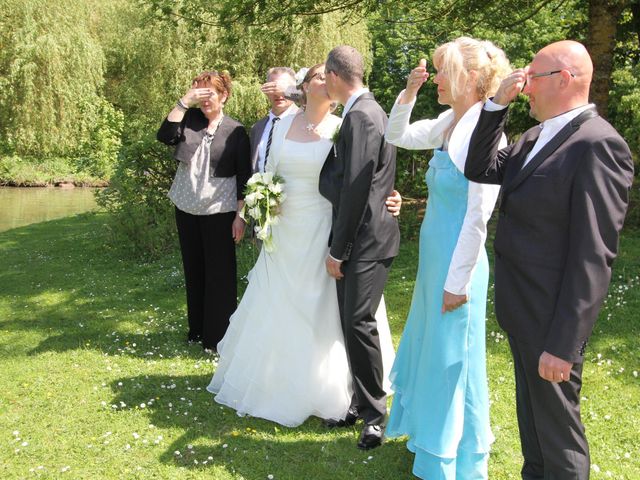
(347,63)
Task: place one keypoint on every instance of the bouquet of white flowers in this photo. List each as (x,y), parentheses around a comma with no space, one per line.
(263,196)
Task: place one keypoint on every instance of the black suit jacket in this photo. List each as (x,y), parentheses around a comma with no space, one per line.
(357,182)
(229,152)
(559,221)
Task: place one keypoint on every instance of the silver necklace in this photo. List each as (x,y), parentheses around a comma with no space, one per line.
(309,127)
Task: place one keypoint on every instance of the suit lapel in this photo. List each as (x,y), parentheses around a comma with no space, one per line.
(365,95)
(517,162)
(259,129)
(553,144)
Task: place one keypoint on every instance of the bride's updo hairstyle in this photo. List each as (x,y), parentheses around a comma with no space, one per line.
(307,78)
(463,55)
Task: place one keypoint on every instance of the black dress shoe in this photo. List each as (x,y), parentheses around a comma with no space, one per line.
(349,420)
(371,437)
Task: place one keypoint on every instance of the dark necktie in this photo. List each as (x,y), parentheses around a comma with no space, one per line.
(266,151)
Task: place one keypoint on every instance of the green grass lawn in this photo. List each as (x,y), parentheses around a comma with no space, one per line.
(98,383)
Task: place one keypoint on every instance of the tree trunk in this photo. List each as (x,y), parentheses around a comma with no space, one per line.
(601,41)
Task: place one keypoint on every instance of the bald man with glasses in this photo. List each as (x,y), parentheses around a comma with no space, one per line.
(565,190)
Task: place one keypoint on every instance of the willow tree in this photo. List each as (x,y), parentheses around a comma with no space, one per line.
(51,76)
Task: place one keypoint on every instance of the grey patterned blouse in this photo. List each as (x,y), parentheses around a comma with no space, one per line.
(197,191)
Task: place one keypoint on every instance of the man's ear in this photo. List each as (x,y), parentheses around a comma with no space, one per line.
(565,78)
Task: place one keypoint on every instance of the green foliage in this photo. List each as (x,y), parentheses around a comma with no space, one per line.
(38,172)
(51,77)
(624,111)
(50,64)
(141,215)
(104,142)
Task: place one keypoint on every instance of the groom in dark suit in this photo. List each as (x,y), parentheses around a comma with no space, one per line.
(364,236)
(565,189)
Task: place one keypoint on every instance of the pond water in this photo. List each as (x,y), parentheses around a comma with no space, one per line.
(22,206)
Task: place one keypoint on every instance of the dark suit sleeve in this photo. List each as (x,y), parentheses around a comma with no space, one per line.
(243,160)
(362,148)
(599,199)
(485,162)
(170,133)
(254,140)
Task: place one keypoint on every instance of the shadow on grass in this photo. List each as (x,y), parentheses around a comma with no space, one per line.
(214,436)
(62,282)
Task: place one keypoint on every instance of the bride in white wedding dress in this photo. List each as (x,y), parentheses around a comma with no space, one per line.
(283,357)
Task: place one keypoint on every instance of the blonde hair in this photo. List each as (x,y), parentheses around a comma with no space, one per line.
(464,54)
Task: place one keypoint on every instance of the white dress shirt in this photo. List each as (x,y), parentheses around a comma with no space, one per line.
(352,99)
(429,134)
(262,145)
(549,127)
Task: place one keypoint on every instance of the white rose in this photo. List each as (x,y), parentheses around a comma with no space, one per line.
(255,212)
(267,177)
(255,178)
(275,187)
(263,233)
(273,202)
(250,199)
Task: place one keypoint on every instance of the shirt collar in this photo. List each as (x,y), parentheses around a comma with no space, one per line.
(352,99)
(283,114)
(561,120)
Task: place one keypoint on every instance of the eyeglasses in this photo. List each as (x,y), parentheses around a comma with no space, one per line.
(531,76)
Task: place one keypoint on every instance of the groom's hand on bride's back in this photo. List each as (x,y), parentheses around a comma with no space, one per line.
(394,203)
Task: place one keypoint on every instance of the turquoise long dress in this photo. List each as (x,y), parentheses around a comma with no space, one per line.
(441,395)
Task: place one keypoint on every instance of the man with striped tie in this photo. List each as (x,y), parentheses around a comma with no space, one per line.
(279,79)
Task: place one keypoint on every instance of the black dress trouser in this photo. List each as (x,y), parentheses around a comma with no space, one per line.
(359,294)
(209,261)
(552,435)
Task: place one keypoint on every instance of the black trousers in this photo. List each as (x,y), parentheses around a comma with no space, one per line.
(209,261)
(552,435)
(359,294)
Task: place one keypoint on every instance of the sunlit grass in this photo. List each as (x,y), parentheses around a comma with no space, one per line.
(98,383)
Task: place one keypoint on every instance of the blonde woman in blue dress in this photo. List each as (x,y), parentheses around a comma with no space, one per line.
(439,375)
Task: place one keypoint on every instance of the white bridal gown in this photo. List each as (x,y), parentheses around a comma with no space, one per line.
(283,357)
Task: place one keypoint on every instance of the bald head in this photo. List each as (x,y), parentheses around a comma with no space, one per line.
(574,57)
(567,88)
